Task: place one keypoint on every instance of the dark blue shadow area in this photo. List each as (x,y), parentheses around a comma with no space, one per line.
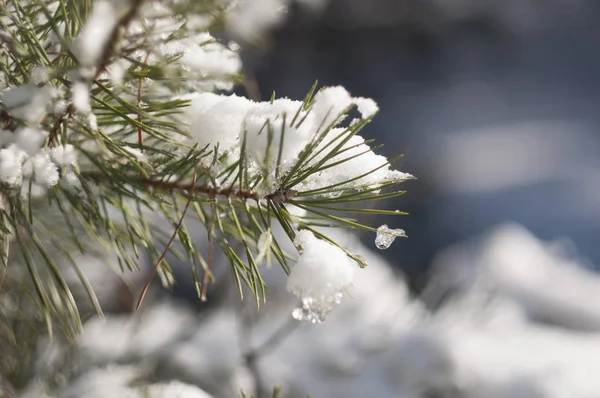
(492,89)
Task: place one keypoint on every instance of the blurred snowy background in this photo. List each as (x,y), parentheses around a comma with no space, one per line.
(496,294)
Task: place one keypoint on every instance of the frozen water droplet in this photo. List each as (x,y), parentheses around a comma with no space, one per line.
(314,311)
(386,236)
(337,298)
(335,194)
(233,46)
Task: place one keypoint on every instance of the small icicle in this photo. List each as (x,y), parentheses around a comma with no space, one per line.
(335,194)
(386,236)
(315,310)
(308,314)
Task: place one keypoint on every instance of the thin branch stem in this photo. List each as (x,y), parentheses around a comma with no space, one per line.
(211,247)
(178,186)
(70,111)
(123,24)
(139,102)
(170,244)
(211,192)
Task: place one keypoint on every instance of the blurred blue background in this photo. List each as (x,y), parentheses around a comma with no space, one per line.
(495,106)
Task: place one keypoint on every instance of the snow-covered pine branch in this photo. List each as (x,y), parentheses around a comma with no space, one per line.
(115,112)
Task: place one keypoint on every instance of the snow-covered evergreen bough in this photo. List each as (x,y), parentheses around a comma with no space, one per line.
(115,113)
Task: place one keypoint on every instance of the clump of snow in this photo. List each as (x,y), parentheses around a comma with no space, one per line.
(81,97)
(217,120)
(109,381)
(136,153)
(212,60)
(44,170)
(64,155)
(175,389)
(275,133)
(59,107)
(28,102)
(30,140)
(366,106)
(38,75)
(207,64)
(117,71)
(96,32)
(267,116)
(23,158)
(357,160)
(11,164)
(319,277)
(70,181)
(251,19)
(329,105)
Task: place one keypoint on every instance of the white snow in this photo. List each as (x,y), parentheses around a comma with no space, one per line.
(257,128)
(44,170)
(175,389)
(11,163)
(211,58)
(319,277)
(64,155)
(366,106)
(81,97)
(38,75)
(96,32)
(28,102)
(225,120)
(117,71)
(217,120)
(252,19)
(30,140)
(485,342)
(330,102)
(358,159)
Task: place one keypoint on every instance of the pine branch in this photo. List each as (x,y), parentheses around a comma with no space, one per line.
(150,122)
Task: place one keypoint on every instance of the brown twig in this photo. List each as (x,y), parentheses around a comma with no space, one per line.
(211,192)
(178,186)
(211,250)
(164,253)
(9,122)
(70,111)
(211,247)
(111,42)
(139,102)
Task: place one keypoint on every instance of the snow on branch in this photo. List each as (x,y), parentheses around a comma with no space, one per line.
(115,115)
